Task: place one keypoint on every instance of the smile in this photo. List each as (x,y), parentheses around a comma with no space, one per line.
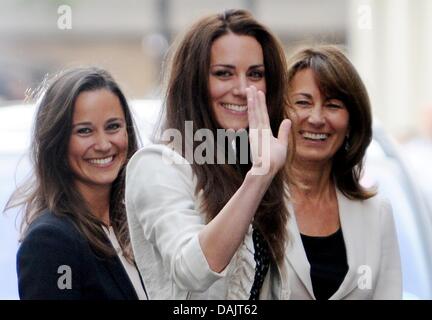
(314,136)
(101,161)
(234,107)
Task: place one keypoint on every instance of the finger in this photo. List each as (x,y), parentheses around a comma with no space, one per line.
(264,117)
(284,130)
(251,108)
(257,112)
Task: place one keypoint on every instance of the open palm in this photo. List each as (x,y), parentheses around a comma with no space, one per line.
(268,152)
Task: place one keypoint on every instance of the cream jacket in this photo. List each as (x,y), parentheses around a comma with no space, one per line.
(372,253)
(165,219)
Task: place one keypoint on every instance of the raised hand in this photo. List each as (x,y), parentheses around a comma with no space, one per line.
(268,153)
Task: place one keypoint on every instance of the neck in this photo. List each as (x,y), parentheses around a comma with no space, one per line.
(313,180)
(97,199)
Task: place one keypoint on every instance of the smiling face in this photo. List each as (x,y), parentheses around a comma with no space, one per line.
(321,122)
(236,62)
(99,142)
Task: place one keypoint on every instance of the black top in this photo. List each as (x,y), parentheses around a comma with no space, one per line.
(56,262)
(328,261)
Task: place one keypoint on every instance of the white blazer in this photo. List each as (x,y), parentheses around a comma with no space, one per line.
(372,253)
(165,219)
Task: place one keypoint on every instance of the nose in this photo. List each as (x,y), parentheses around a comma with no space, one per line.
(103,143)
(316,116)
(240,86)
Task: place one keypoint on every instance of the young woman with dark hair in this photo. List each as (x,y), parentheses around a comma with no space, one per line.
(216,231)
(75,240)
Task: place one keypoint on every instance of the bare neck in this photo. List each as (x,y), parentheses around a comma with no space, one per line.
(315,199)
(314,180)
(97,198)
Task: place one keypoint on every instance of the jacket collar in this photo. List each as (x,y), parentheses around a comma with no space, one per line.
(119,274)
(121,278)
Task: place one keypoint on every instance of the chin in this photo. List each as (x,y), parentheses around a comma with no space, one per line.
(312,157)
(236,126)
(235,123)
(105,180)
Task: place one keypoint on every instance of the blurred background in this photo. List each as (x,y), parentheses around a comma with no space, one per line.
(389,41)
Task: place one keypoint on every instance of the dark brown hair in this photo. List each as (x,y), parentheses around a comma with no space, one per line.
(187,99)
(337,78)
(52,186)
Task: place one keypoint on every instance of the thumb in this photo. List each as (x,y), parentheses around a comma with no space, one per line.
(284,130)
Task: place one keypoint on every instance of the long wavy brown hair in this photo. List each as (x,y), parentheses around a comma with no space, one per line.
(187,99)
(51,186)
(337,78)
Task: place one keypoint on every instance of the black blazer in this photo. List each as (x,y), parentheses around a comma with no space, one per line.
(52,242)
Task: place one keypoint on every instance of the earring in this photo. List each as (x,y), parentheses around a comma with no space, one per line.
(347,144)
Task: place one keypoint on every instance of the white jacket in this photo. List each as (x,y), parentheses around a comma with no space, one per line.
(372,252)
(164,221)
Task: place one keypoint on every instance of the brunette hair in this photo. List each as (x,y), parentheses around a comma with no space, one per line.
(52,187)
(337,78)
(187,99)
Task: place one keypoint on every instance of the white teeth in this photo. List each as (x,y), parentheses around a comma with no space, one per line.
(315,136)
(102,161)
(234,107)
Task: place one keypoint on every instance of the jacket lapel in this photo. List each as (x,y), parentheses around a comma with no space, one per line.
(118,273)
(296,254)
(350,213)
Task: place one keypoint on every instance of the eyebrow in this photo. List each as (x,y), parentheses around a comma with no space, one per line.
(81,124)
(87,123)
(233,67)
(307,95)
(115,119)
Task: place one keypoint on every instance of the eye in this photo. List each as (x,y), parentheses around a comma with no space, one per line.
(302,103)
(84,131)
(113,126)
(335,105)
(256,74)
(222,73)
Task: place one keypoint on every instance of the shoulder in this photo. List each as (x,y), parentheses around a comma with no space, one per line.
(378,204)
(50,231)
(157,153)
(374,204)
(375,211)
(156,164)
(384,210)
(53,223)
(51,243)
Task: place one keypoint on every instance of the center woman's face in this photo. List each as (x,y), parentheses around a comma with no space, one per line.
(237,62)
(99,141)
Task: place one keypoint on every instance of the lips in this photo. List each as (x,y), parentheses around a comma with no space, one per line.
(234,107)
(101,161)
(315,136)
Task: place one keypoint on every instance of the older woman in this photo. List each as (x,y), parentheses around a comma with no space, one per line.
(75,239)
(344,243)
